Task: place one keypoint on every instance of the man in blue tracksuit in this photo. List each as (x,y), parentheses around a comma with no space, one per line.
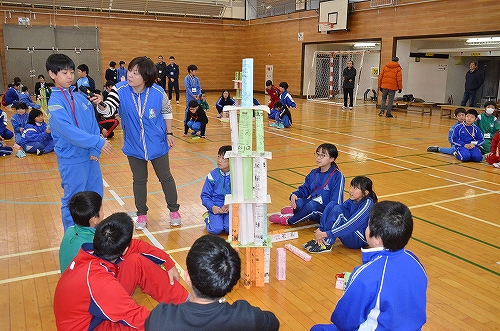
(74,128)
(387,292)
(217,185)
(192,86)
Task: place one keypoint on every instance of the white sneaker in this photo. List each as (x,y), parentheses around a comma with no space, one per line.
(175,218)
(350,108)
(344,107)
(496,165)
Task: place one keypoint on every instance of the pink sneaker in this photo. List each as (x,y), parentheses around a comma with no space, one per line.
(175,218)
(287,210)
(279,218)
(141,222)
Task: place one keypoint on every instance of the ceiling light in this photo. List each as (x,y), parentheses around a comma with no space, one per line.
(365,45)
(483,41)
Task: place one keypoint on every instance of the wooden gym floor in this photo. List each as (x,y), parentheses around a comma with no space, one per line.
(455,208)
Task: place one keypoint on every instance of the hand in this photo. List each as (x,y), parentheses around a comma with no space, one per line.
(21,129)
(217,210)
(96,99)
(488,154)
(47,130)
(225,209)
(104,132)
(195,97)
(399,91)
(170,140)
(293,198)
(107,148)
(94,158)
(172,80)
(173,274)
(320,236)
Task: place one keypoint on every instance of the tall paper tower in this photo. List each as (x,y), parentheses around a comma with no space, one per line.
(248,225)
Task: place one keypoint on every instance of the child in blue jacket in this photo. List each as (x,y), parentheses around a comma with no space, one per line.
(77,140)
(36,136)
(387,292)
(19,120)
(347,221)
(460,116)
(4,132)
(217,185)
(282,116)
(322,186)
(467,138)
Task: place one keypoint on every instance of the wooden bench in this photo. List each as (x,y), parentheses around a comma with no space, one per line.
(423,105)
(449,110)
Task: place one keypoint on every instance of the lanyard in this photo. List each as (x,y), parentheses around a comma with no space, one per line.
(140,110)
(326,182)
(24,119)
(472,133)
(221,178)
(71,104)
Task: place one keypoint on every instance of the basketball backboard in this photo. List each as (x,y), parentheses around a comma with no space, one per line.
(334,12)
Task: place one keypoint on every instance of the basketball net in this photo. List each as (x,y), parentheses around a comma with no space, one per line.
(324,27)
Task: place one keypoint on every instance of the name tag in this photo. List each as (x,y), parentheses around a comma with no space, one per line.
(193,89)
(487,135)
(474,142)
(159,71)
(171,72)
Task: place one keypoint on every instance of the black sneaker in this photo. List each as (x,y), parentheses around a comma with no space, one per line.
(389,115)
(309,243)
(433,149)
(315,248)
(40,152)
(381,113)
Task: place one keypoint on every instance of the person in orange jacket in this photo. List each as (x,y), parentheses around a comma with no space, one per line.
(390,80)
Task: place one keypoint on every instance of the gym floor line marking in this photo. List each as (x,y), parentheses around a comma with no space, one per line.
(152,238)
(359,137)
(456,232)
(117,197)
(469,216)
(457,257)
(395,159)
(424,189)
(105,183)
(21,278)
(454,199)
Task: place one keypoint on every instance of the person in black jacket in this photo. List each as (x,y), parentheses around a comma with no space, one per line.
(161,68)
(473,81)
(349,76)
(196,119)
(213,268)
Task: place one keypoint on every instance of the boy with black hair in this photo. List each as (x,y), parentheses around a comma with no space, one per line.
(460,116)
(173,78)
(387,292)
(285,96)
(488,124)
(78,144)
(196,119)
(84,78)
(273,92)
(283,116)
(467,138)
(111,73)
(12,95)
(213,268)
(94,292)
(217,185)
(121,72)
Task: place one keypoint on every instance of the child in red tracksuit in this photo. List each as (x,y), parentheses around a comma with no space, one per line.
(493,157)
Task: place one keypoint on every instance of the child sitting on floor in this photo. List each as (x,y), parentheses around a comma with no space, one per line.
(283,116)
(19,120)
(460,116)
(36,137)
(387,292)
(347,221)
(322,186)
(467,138)
(217,185)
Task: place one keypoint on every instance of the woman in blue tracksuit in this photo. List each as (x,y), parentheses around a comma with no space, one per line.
(322,186)
(36,136)
(347,221)
(146,116)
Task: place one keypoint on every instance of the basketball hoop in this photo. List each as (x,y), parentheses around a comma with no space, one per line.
(324,27)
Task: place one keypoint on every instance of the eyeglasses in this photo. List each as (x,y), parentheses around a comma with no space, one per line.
(319,155)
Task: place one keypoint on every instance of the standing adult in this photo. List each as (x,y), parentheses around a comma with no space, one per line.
(349,76)
(111,73)
(161,69)
(473,81)
(173,79)
(390,80)
(146,116)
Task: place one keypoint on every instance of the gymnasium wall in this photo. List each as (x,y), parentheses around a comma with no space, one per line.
(217,46)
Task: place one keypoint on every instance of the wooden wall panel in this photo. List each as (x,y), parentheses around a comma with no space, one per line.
(217,46)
